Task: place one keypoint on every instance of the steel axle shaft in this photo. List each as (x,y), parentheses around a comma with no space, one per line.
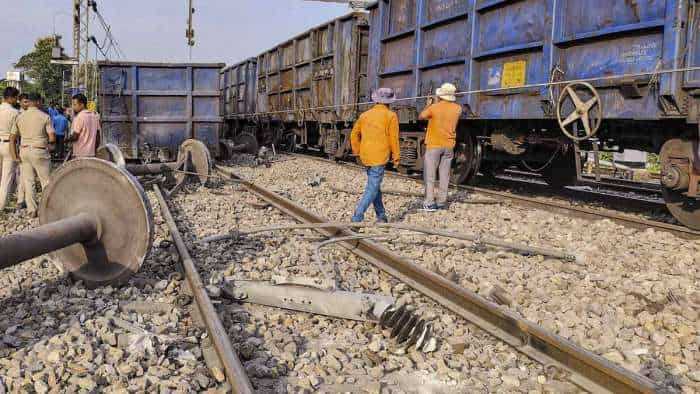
(16,248)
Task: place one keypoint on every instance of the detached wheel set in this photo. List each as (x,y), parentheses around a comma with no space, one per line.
(95,218)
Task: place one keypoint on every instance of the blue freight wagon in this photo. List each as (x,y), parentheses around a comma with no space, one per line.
(544,78)
(149,109)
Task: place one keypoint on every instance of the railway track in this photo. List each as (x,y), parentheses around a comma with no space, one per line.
(586,370)
(550,205)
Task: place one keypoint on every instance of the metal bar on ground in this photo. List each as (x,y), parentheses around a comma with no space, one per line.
(233,368)
(585,369)
(20,247)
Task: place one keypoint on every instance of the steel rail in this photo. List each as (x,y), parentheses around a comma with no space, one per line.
(233,368)
(552,206)
(583,368)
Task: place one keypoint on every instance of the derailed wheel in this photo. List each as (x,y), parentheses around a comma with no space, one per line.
(467,161)
(112,154)
(676,164)
(196,158)
(248,142)
(116,200)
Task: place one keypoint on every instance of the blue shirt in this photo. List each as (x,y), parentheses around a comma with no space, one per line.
(52,112)
(60,124)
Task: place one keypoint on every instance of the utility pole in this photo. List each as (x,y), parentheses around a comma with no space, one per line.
(81,39)
(189,33)
(76,42)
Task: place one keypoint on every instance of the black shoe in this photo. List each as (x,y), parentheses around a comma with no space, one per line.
(22,205)
(383,219)
(441,207)
(429,208)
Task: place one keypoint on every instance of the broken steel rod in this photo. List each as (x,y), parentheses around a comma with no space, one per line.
(521,248)
(233,368)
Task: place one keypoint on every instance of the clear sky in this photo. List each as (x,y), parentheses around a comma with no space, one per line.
(154,30)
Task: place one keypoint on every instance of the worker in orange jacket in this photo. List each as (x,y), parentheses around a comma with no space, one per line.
(375,138)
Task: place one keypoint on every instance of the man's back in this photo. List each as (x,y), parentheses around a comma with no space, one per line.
(60,124)
(375,136)
(8,115)
(86,125)
(33,127)
(442,125)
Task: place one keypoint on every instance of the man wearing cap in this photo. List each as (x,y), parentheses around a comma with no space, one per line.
(8,115)
(35,131)
(375,138)
(440,142)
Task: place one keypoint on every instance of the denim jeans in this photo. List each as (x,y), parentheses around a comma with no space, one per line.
(372,195)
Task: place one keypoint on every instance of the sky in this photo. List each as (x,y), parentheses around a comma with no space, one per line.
(226,31)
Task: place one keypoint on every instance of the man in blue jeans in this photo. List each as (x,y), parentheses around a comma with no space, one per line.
(375,138)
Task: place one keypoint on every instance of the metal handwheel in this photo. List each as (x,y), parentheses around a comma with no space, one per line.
(590,112)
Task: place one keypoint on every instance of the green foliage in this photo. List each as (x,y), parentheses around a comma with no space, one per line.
(653,163)
(47,78)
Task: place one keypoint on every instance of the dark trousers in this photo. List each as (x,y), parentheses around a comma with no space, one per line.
(59,153)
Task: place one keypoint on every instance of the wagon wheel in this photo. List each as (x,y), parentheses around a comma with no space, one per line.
(467,161)
(589,112)
(685,209)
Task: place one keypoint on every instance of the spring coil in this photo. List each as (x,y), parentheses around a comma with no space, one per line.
(406,327)
(409,155)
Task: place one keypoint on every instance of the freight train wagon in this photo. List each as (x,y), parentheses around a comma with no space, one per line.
(518,63)
(303,92)
(149,109)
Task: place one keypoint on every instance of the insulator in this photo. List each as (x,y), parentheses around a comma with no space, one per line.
(406,326)
(409,156)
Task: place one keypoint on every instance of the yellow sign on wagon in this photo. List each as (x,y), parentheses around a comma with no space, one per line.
(514,74)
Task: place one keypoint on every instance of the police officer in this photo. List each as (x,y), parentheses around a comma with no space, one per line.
(8,116)
(37,138)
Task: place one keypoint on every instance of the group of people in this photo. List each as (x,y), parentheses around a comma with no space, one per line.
(375,139)
(30,133)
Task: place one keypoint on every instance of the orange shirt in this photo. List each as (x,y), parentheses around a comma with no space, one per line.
(443,118)
(376,136)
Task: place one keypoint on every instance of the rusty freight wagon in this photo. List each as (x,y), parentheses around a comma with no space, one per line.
(149,109)
(543,78)
(307,88)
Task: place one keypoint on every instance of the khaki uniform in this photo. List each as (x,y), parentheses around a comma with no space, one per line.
(33,127)
(8,115)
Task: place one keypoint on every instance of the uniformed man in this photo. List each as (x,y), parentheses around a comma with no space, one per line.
(34,130)
(8,116)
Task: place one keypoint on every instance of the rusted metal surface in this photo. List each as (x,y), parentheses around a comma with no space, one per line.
(152,107)
(325,66)
(233,368)
(486,44)
(583,368)
(118,204)
(238,90)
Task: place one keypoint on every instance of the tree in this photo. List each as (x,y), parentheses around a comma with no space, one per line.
(47,78)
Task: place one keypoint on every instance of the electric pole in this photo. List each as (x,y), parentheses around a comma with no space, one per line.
(189,33)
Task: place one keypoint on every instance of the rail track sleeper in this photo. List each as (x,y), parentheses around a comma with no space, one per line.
(233,368)
(585,369)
